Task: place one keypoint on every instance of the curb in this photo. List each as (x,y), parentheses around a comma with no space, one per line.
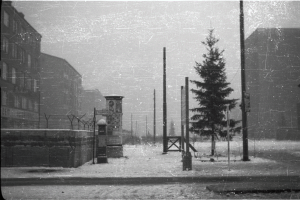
(267,187)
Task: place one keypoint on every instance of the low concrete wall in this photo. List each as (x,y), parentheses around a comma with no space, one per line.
(45,147)
(114,151)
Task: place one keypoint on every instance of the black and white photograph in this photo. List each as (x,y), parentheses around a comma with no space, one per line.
(150,99)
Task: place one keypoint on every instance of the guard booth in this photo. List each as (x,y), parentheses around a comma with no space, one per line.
(102,142)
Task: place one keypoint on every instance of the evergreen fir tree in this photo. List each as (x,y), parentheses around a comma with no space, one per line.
(211,92)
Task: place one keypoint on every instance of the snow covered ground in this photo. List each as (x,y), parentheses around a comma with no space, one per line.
(271,158)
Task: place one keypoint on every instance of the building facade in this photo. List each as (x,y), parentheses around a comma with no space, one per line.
(61,86)
(272,79)
(20,70)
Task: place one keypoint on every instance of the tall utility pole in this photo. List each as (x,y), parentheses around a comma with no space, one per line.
(136,129)
(131,131)
(244,114)
(164,106)
(187,158)
(154,119)
(187,131)
(182,120)
(146,127)
(94,135)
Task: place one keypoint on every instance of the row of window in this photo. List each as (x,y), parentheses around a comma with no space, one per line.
(18,53)
(25,81)
(16,27)
(19,102)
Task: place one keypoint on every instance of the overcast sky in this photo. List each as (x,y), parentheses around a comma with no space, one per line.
(117,47)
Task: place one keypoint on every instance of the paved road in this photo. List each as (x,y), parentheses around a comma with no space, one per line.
(146,180)
(150,188)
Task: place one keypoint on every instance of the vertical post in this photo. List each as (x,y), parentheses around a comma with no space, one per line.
(78,121)
(244,114)
(154,121)
(132,142)
(146,128)
(187,158)
(164,105)
(39,107)
(228,136)
(182,139)
(187,115)
(94,135)
(182,124)
(135,129)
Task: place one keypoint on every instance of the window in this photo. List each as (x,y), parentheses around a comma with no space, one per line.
(22,33)
(17,102)
(31,39)
(24,103)
(36,107)
(22,55)
(22,80)
(14,50)
(14,25)
(4,71)
(35,86)
(6,19)
(13,75)
(29,61)
(4,98)
(30,104)
(35,64)
(28,83)
(5,45)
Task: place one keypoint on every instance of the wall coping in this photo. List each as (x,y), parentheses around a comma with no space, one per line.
(10,129)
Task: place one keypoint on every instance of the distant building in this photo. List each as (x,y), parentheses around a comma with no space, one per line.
(20,51)
(272,79)
(91,99)
(60,86)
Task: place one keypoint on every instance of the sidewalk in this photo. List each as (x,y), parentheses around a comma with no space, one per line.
(144,161)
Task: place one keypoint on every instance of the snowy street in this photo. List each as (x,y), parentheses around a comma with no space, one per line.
(147,161)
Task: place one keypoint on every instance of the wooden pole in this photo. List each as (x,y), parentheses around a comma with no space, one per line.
(146,127)
(182,124)
(154,121)
(244,114)
(94,135)
(132,141)
(164,105)
(187,115)
(136,129)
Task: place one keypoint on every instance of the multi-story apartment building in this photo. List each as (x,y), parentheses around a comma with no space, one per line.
(20,51)
(272,79)
(60,86)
